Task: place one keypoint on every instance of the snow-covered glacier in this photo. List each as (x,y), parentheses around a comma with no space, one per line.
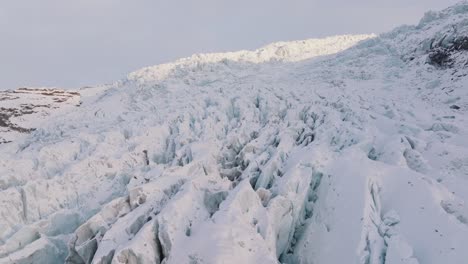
(349,149)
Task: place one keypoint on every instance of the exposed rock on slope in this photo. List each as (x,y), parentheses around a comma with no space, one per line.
(23,109)
(303,152)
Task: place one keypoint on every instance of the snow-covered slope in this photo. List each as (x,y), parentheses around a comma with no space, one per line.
(351,149)
(24,109)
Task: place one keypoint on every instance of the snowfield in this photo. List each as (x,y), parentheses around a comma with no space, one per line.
(349,149)
(24,109)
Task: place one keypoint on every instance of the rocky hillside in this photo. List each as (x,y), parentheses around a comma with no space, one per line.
(23,109)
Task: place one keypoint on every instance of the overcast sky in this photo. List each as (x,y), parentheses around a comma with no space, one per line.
(73,43)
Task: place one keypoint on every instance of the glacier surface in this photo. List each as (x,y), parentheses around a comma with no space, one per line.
(348,149)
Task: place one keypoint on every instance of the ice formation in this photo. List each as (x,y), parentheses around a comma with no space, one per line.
(349,149)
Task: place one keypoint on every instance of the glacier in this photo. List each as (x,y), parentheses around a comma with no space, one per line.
(348,149)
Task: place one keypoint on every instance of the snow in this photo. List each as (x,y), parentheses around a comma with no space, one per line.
(349,149)
(23,109)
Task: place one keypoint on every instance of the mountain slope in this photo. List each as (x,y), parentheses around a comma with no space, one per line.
(351,149)
(23,109)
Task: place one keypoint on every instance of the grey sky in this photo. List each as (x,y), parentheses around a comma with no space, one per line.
(69,43)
